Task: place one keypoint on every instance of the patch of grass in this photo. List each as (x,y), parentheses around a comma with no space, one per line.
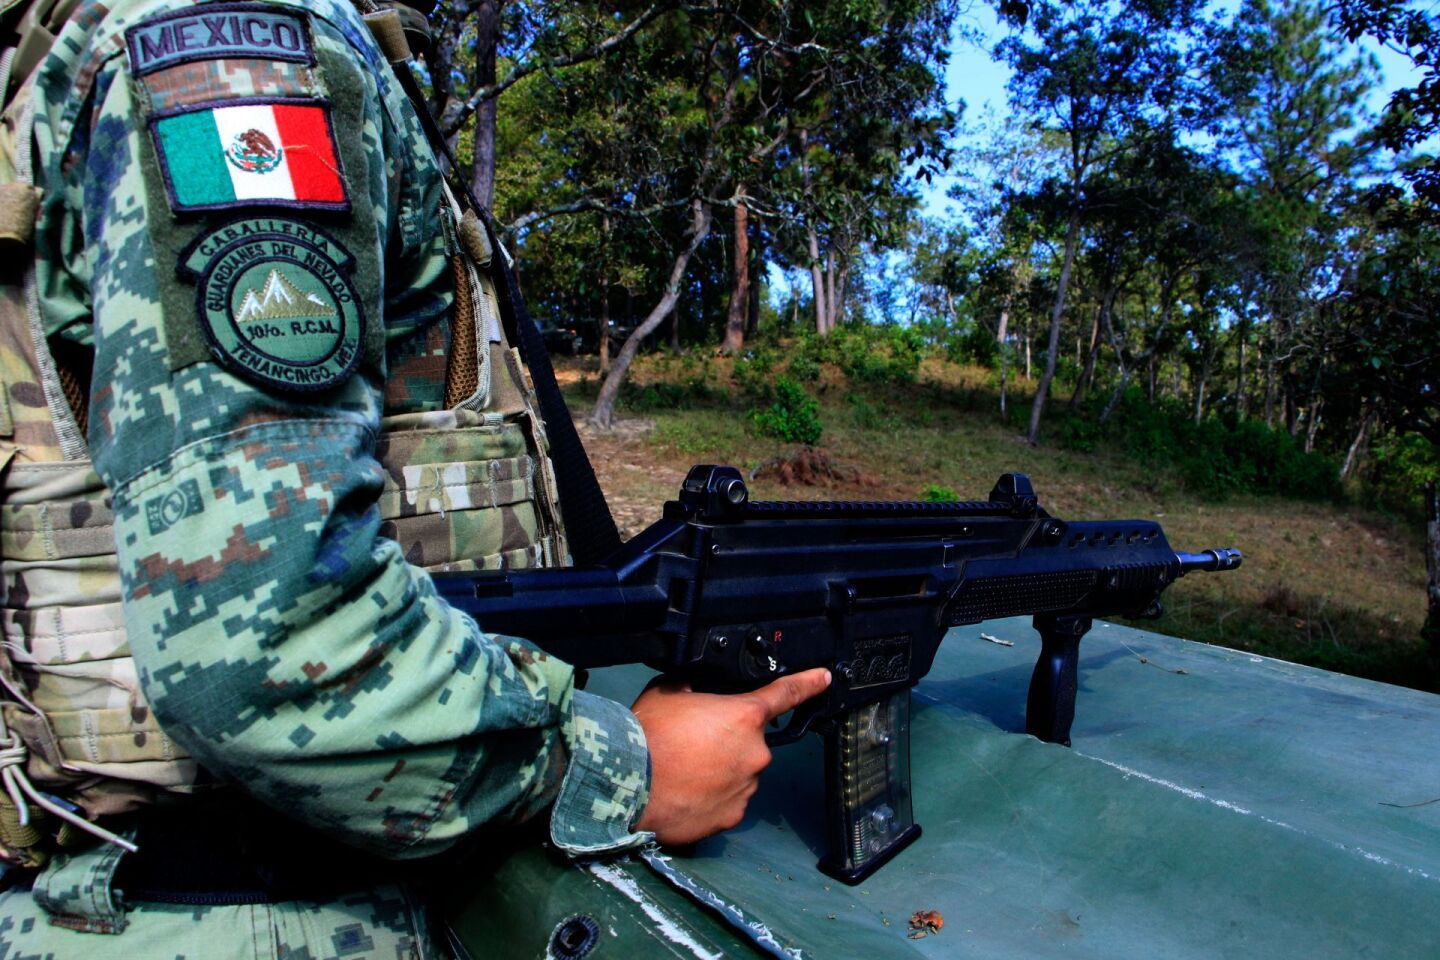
(702,435)
(1308,628)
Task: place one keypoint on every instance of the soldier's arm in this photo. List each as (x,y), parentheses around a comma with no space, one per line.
(280,638)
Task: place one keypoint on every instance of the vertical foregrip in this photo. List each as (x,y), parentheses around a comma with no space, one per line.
(1050,708)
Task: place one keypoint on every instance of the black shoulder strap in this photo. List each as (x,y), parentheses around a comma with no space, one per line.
(589,527)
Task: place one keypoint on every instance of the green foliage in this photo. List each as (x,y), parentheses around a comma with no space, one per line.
(691,389)
(869,416)
(934,493)
(1217,457)
(792,416)
(1403,465)
(974,344)
(805,369)
(752,371)
(867,353)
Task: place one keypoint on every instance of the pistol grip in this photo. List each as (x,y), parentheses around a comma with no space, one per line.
(1050,709)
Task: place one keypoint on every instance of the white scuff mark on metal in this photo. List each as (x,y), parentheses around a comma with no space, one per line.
(1245,811)
(1003,643)
(665,924)
(757,931)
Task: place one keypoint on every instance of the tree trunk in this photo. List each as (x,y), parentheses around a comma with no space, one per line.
(1002,330)
(1028,338)
(1270,389)
(1072,240)
(1115,396)
(604,343)
(837,296)
(482,167)
(604,328)
(740,289)
(812,239)
(832,302)
(440,58)
(817,282)
(1352,456)
(1242,405)
(1313,426)
(757,273)
(1087,375)
(604,412)
(1206,367)
(1431,630)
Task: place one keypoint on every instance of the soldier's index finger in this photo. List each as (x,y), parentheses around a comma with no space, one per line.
(783,695)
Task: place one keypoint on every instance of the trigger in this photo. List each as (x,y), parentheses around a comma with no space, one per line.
(800,720)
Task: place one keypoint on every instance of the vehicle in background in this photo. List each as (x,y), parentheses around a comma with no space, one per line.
(581,337)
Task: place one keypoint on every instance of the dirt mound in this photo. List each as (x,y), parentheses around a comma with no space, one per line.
(812,468)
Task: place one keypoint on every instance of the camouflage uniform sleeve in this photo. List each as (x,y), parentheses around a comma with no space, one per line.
(280,639)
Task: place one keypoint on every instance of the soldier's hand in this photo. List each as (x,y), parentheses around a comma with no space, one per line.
(707,751)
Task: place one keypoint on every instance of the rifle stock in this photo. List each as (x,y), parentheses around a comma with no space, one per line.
(731,594)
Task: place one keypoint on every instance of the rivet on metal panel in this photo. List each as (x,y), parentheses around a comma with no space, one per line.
(574,938)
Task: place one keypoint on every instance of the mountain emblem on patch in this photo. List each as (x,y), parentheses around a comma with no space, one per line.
(280,300)
(253,152)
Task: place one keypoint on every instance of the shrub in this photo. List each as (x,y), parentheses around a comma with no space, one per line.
(1216,457)
(752,371)
(974,344)
(666,395)
(934,493)
(805,369)
(792,415)
(866,353)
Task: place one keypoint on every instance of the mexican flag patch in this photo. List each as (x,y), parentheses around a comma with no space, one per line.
(251,153)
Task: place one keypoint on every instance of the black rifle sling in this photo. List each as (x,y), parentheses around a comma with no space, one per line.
(589,527)
(588,524)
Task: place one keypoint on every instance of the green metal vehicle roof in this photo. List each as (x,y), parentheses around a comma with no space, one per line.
(1214,804)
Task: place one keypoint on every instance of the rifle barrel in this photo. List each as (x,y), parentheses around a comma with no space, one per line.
(1216,558)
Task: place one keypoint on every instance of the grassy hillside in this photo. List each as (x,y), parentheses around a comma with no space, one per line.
(1326,582)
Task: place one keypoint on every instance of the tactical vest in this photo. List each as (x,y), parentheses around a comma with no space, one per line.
(469,487)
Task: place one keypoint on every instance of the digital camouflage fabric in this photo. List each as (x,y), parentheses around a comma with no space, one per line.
(246,359)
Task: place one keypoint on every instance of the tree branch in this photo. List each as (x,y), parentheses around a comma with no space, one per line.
(592,52)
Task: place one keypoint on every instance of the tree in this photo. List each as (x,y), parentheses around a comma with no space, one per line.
(472,37)
(1413,114)
(1092,71)
(1294,98)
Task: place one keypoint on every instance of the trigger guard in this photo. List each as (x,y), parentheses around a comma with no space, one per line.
(801,719)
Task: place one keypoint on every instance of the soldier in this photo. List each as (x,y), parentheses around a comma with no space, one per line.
(238,284)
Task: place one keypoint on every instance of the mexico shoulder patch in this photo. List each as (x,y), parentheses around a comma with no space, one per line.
(275,152)
(235,30)
(276,303)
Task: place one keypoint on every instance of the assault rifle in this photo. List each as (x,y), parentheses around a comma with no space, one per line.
(731,594)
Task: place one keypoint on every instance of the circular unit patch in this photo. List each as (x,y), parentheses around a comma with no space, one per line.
(276,303)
